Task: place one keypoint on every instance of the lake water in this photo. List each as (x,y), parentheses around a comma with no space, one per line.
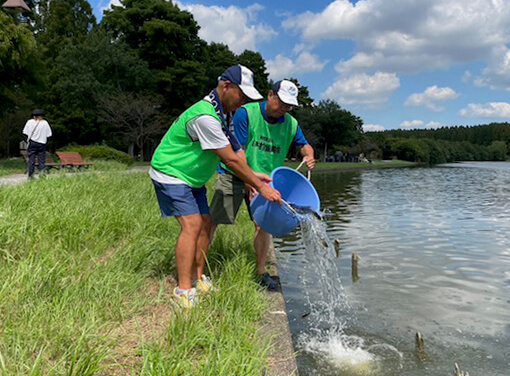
(434,248)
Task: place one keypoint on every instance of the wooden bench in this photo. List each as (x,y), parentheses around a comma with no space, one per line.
(72,159)
(49,162)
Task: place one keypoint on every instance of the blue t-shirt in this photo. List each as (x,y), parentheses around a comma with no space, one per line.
(241,124)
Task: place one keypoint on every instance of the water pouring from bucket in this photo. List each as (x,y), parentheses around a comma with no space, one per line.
(299,196)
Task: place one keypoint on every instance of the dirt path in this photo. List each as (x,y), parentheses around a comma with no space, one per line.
(16,179)
(13,179)
(150,325)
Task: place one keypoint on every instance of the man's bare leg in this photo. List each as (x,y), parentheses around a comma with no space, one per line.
(261,244)
(185,248)
(202,246)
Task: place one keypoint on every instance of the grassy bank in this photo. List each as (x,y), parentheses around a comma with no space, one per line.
(331,166)
(17,166)
(86,271)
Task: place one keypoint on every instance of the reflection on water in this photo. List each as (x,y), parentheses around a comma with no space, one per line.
(434,257)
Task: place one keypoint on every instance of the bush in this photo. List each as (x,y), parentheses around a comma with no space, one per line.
(100,152)
(497,151)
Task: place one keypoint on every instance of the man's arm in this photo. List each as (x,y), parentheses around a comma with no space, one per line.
(239,166)
(308,155)
(306,150)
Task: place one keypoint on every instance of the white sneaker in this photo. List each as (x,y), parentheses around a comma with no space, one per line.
(204,285)
(185,298)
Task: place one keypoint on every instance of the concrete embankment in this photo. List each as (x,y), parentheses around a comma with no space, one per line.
(282,358)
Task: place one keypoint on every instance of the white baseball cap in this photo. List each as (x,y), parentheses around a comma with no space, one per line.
(287,91)
(242,77)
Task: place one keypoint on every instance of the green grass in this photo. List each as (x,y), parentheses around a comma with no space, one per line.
(85,270)
(329,166)
(11,166)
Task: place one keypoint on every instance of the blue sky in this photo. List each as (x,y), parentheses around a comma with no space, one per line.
(396,64)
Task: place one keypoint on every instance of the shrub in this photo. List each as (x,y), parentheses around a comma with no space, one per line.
(100,152)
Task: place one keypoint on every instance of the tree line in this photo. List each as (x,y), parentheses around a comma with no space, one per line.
(121,82)
(447,144)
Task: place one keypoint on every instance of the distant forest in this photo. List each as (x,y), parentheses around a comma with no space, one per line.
(121,82)
(448,144)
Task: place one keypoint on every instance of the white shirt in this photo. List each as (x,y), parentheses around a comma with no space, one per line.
(37,130)
(205,129)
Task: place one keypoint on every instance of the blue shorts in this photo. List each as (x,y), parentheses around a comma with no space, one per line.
(179,200)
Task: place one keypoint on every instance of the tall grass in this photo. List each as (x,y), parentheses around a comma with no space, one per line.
(11,166)
(83,257)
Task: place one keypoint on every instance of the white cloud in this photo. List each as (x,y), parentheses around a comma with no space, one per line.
(412,124)
(419,124)
(373,128)
(466,77)
(110,3)
(236,27)
(409,36)
(488,110)
(433,124)
(431,97)
(284,67)
(299,48)
(497,74)
(363,89)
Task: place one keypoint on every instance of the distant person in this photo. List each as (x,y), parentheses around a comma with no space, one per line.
(37,131)
(187,158)
(266,131)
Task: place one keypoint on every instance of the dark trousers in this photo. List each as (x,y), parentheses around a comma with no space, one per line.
(36,149)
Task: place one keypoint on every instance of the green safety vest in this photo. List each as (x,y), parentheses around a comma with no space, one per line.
(179,156)
(267,144)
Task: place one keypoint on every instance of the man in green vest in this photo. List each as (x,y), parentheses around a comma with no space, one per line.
(266,131)
(185,160)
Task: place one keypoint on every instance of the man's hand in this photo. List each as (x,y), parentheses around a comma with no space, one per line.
(310,162)
(265,178)
(250,191)
(270,194)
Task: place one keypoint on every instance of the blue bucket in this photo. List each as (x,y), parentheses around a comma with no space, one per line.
(278,219)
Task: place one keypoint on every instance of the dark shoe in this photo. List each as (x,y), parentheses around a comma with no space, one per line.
(268,282)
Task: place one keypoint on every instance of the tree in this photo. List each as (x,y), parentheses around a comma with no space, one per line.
(136,118)
(167,39)
(18,60)
(62,23)
(11,125)
(330,125)
(158,30)
(182,85)
(497,151)
(84,73)
(219,58)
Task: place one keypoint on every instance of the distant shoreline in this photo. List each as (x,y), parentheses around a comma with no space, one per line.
(350,166)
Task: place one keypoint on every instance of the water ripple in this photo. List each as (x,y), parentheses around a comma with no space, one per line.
(435,255)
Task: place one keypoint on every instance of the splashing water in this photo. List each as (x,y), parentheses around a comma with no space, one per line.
(330,313)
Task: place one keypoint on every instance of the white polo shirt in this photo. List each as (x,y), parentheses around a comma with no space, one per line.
(37,130)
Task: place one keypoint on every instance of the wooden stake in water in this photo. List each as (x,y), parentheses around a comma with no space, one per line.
(337,247)
(459,372)
(355,259)
(420,346)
